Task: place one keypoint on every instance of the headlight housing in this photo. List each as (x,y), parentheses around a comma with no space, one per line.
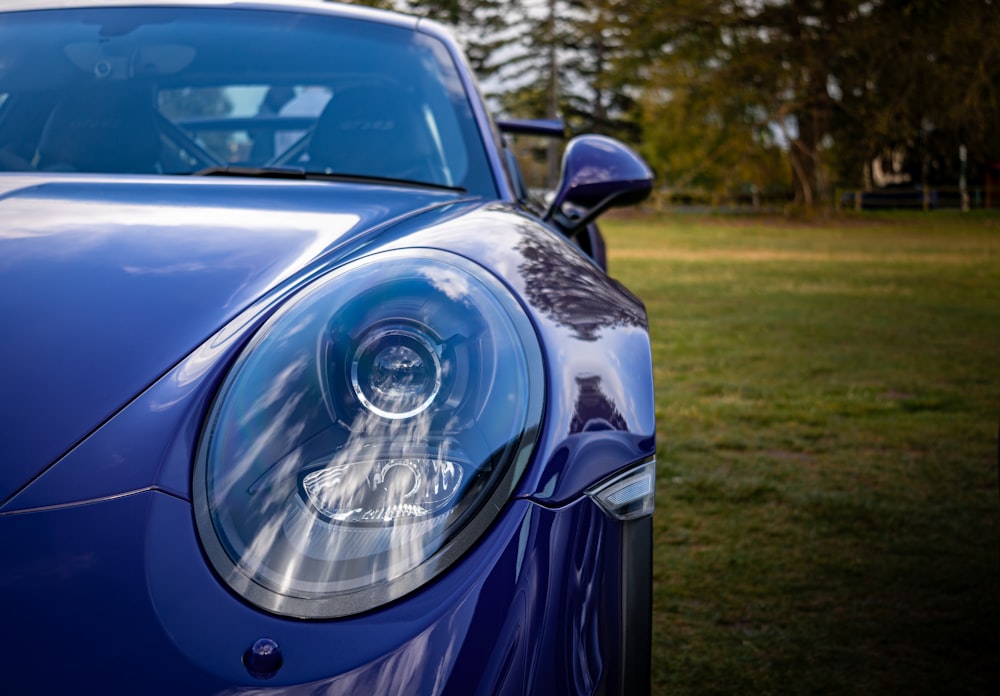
(368,434)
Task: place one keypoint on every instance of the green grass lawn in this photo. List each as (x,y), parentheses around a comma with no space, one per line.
(828,398)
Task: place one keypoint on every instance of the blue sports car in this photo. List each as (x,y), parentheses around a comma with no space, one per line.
(300,390)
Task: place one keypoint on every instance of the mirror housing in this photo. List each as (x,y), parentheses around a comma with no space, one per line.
(598,173)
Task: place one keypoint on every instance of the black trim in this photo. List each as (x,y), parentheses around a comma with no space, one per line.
(637,606)
(545,128)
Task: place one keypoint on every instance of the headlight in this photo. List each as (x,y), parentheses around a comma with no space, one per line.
(367,435)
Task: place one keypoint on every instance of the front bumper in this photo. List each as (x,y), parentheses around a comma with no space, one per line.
(116,594)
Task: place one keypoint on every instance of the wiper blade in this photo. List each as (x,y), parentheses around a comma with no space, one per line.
(299,173)
(254,172)
(371,179)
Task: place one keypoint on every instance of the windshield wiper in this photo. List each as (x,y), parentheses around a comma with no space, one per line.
(299,173)
(255,172)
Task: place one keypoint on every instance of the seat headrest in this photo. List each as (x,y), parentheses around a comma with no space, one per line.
(371,130)
(102,128)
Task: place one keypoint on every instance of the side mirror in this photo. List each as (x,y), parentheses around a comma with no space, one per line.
(598,173)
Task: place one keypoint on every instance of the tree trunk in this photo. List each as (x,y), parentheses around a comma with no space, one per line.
(552,108)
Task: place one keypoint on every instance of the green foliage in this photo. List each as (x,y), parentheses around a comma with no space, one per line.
(753,70)
(729,96)
(481,25)
(840,81)
(923,78)
(828,398)
(696,143)
(556,61)
(379,4)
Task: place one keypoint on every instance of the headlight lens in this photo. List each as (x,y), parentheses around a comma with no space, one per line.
(396,372)
(368,434)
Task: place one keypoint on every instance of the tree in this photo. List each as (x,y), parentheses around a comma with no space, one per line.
(561,67)
(716,91)
(923,82)
(481,25)
(840,81)
(763,72)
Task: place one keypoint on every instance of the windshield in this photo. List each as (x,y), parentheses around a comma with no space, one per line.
(177,91)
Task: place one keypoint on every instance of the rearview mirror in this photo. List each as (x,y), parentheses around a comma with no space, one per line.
(598,173)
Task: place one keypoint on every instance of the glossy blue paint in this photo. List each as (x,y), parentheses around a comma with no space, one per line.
(533,595)
(133,475)
(124,302)
(598,170)
(105,285)
(593,331)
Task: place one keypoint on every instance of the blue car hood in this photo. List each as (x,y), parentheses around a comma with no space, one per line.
(105,284)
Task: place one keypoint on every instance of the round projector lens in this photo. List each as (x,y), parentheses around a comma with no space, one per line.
(396,372)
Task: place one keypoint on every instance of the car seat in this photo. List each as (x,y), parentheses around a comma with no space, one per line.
(373,130)
(103,128)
